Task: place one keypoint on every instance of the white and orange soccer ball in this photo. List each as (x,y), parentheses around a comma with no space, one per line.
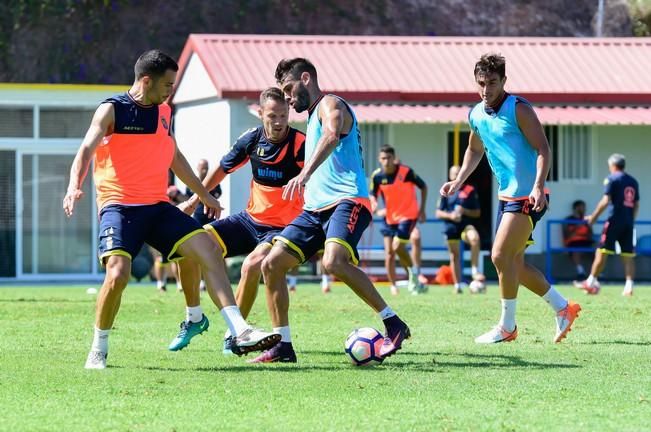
(477,287)
(363,345)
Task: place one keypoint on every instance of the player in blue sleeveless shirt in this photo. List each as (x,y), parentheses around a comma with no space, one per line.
(336,210)
(506,128)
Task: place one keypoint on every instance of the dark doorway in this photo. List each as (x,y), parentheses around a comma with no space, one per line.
(482,180)
(8,214)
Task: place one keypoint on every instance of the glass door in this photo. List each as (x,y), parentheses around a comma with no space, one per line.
(52,243)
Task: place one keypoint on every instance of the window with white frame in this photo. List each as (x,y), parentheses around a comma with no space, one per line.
(374,136)
(572,151)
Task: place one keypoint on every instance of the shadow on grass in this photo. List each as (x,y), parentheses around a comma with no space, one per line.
(46,300)
(435,363)
(495,361)
(617,342)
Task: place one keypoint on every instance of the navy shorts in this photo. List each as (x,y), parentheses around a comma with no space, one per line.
(239,234)
(344,224)
(521,206)
(621,233)
(124,229)
(454,231)
(402,230)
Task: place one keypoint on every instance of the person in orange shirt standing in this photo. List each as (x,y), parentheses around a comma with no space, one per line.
(397,184)
(134,209)
(276,153)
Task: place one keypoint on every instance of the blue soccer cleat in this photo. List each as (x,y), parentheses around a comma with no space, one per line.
(187,332)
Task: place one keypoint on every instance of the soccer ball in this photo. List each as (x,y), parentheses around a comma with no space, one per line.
(363,346)
(477,287)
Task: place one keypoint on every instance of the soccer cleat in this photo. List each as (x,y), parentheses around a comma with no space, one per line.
(187,332)
(397,332)
(253,339)
(496,335)
(458,289)
(564,320)
(325,288)
(627,292)
(228,346)
(282,352)
(412,284)
(589,289)
(479,277)
(394,290)
(292,288)
(96,360)
(421,289)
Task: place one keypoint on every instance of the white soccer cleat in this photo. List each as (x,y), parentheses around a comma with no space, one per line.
(628,292)
(96,360)
(253,339)
(564,320)
(496,335)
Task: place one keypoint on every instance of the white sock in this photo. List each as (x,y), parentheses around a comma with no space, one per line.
(629,285)
(474,270)
(591,280)
(387,312)
(100,340)
(325,280)
(555,299)
(285,335)
(507,321)
(234,320)
(292,280)
(580,269)
(160,284)
(193,314)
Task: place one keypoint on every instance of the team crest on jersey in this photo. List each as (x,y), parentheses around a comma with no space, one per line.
(260,151)
(164,122)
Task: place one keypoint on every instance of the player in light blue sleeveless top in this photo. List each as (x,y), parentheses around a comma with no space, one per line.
(341,175)
(506,128)
(511,157)
(336,210)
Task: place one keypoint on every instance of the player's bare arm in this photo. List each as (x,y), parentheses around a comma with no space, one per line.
(214,177)
(184,171)
(601,206)
(535,135)
(335,120)
(446,215)
(422,213)
(100,126)
(471,159)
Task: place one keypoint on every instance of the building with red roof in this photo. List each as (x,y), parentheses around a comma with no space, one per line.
(592,95)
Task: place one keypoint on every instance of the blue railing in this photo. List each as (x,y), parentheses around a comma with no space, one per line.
(379,222)
(643,247)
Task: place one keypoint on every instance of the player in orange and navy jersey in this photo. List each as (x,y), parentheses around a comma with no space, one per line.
(622,199)
(397,184)
(134,209)
(276,153)
(460,211)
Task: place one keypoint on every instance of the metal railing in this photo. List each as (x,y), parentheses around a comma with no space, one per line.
(550,249)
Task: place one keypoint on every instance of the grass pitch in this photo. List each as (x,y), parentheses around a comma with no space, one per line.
(596,379)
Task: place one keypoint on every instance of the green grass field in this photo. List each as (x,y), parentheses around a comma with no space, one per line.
(597,379)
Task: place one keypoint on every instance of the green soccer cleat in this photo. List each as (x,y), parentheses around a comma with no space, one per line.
(187,332)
